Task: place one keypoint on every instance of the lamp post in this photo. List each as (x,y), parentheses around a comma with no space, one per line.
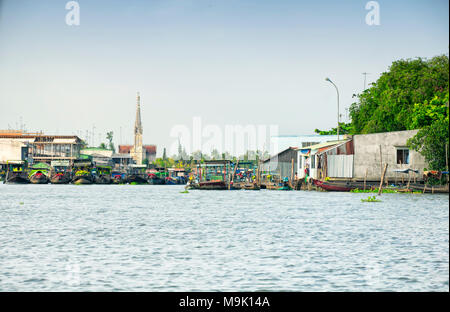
(329,80)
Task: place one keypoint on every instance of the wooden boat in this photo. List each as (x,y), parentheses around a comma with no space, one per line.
(156,179)
(103,175)
(211,175)
(335,186)
(60,178)
(38,177)
(60,173)
(39,173)
(176,176)
(209,185)
(245,186)
(2,172)
(82,172)
(15,172)
(136,174)
(118,177)
(429,188)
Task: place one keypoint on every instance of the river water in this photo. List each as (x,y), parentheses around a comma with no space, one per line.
(154,238)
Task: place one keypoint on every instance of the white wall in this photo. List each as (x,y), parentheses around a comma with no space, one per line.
(10,150)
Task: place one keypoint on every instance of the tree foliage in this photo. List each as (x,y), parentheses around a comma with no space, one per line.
(344,128)
(390,102)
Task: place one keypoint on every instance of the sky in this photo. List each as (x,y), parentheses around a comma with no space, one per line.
(229,62)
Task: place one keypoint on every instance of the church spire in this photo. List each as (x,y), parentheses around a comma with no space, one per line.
(138,124)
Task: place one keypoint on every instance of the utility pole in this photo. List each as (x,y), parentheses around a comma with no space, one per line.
(365,78)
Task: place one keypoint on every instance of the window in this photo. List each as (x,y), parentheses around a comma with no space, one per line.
(402,156)
(313,161)
(300,161)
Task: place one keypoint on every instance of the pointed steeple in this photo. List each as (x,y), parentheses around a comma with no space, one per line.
(138,124)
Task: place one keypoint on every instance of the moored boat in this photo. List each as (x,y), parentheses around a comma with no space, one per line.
(335,186)
(60,173)
(38,177)
(103,175)
(39,173)
(118,177)
(15,172)
(82,172)
(136,174)
(208,185)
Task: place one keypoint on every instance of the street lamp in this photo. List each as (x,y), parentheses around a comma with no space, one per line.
(329,80)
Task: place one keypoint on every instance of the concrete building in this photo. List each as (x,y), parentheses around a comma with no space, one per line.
(374,150)
(100,156)
(358,155)
(38,147)
(149,150)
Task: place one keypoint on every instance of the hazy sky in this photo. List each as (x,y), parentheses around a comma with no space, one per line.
(227,61)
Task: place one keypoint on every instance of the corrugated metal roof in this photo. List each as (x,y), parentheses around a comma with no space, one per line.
(325,144)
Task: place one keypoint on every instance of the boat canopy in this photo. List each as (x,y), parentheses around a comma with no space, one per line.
(15,162)
(60,163)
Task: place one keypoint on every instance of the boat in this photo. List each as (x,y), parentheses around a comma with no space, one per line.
(82,172)
(15,172)
(103,175)
(38,177)
(208,185)
(2,172)
(211,175)
(157,178)
(335,186)
(118,177)
(136,174)
(39,173)
(429,188)
(176,176)
(61,173)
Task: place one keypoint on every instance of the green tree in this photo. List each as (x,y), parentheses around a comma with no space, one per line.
(109,137)
(389,104)
(431,142)
(344,128)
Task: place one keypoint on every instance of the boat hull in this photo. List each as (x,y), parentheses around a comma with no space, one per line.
(39,179)
(79,180)
(103,179)
(334,186)
(60,179)
(136,179)
(156,181)
(16,178)
(209,185)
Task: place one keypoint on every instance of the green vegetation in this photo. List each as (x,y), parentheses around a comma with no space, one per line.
(384,190)
(109,137)
(389,105)
(344,128)
(371,199)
